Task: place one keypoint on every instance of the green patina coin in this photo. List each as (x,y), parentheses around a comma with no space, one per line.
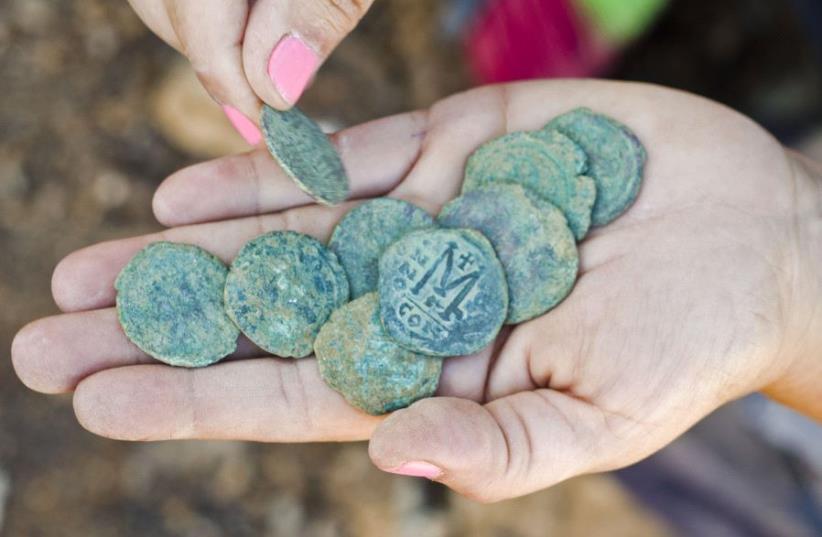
(531,239)
(569,155)
(549,164)
(360,360)
(170,304)
(366,231)
(304,152)
(281,288)
(442,292)
(616,159)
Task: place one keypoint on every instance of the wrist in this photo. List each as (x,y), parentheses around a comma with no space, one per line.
(799,383)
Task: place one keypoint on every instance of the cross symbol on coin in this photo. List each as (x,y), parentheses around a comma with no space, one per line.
(466,260)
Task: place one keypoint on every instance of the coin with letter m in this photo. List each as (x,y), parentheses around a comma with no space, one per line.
(442,292)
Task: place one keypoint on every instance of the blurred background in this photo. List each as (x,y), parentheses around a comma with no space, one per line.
(95,112)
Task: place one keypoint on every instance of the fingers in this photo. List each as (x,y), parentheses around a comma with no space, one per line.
(266,399)
(285,43)
(248,52)
(546,419)
(211,33)
(456,126)
(421,155)
(85,279)
(376,155)
(417,156)
(52,355)
(263,399)
(459,124)
(155,15)
(507,448)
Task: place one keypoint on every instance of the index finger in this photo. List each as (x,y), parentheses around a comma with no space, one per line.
(376,156)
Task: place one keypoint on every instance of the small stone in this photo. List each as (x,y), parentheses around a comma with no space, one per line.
(442,292)
(170,304)
(304,152)
(548,163)
(358,358)
(366,231)
(616,159)
(281,289)
(111,189)
(531,239)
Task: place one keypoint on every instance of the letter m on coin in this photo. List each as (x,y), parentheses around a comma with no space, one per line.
(447,283)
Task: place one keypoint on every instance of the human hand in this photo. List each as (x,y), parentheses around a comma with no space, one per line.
(246,52)
(699,294)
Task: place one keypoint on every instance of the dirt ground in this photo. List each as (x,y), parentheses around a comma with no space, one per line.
(89,126)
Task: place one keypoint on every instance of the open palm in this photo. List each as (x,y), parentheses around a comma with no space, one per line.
(680,305)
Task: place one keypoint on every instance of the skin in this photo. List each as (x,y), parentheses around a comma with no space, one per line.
(706,290)
(228,42)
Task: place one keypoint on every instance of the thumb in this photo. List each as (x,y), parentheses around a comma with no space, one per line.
(506,448)
(286,41)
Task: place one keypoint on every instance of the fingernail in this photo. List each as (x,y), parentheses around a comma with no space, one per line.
(291,66)
(247,129)
(417,469)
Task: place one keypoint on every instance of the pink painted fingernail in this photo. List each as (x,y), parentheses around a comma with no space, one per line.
(417,469)
(291,66)
(247,129)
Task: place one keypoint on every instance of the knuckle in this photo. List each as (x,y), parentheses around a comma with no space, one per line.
(292,393)
(341,16)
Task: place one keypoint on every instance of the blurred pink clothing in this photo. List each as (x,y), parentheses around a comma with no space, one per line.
(522,39)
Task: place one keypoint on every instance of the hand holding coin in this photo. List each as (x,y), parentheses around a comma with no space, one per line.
(705,290)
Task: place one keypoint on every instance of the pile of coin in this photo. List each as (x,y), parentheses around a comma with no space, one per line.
(420,288)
